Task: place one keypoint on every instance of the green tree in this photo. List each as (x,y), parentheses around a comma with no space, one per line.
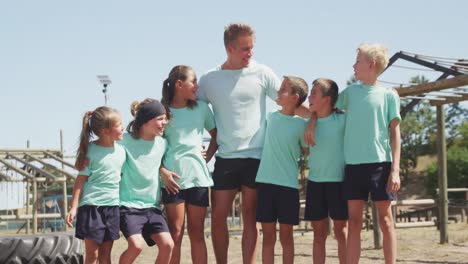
(455,117)
(463,130)
(457,164)
(457,168)
(417,129)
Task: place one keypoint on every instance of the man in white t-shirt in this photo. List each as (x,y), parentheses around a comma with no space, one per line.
(237,92)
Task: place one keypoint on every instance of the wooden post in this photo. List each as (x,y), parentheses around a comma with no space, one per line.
(241,224)
(28,191)
(330,227)
(34,206)
(376,227)
(466,207)
(64,190)
(233,213)
(442,175)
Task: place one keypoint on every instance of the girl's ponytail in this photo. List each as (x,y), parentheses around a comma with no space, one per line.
(177,73)
(84,141)
(168,93)
(93,122)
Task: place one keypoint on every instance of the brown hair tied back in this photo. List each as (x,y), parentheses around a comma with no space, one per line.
(93,123)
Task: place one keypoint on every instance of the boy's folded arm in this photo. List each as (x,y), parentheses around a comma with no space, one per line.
(303,111)
(309,136)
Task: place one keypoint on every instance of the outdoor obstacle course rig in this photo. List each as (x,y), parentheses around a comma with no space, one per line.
(38,170)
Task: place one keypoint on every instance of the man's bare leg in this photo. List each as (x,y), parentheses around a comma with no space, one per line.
(221,203)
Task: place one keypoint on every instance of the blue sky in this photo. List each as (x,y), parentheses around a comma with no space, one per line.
(51,51)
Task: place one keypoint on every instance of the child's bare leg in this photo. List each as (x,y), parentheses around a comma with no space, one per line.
(196,230)
(269,240)
(388,230)
(91,254)
(340,228)
(353,245)
(287,243)
(105,252)
(136,244)
(320,237)
(165,246)
(250,230)
(175,220)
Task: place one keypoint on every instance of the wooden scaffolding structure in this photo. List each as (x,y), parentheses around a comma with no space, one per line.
(446,89)
(33,167)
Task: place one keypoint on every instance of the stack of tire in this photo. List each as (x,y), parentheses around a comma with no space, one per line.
(53,248)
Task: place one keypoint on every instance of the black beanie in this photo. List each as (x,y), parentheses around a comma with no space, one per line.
(149,111)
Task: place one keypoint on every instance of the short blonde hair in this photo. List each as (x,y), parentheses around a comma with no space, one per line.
(298,86)
(234,30)
(375,52)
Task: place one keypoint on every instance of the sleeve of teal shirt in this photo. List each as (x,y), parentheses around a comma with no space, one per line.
(268,116)
(86,171)
(272,84)
(301,135)
(342,102)
(201,90)
(209,118)
(393,106)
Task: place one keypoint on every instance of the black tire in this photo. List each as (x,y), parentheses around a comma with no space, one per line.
(54,248)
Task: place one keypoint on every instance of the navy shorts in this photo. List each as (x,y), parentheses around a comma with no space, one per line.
(362,179)
(197,196)
(231,174)
(146,221)
(98,223)
(277,203)
(325,199)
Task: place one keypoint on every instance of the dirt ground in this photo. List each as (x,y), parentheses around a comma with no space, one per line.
(415,245)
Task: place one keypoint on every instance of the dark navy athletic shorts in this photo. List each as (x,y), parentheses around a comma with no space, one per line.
(277,203)
(362,179)
(98,223)
(146,221)
(231,174)
(324,199)
(197,196)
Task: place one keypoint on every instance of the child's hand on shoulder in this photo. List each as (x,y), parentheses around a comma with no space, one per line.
(309,134)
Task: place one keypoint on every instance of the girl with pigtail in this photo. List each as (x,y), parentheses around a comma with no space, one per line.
(185,174)
(141,219)
(95,200)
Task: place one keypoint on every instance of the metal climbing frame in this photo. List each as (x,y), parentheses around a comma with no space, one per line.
(36,166)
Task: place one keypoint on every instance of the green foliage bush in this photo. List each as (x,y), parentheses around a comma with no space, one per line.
(457,171)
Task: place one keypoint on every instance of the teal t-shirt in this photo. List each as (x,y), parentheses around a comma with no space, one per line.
(238,99)
(326,158)
(184,135)
(140,185)
(282,149)
(103,172)
(369,111)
